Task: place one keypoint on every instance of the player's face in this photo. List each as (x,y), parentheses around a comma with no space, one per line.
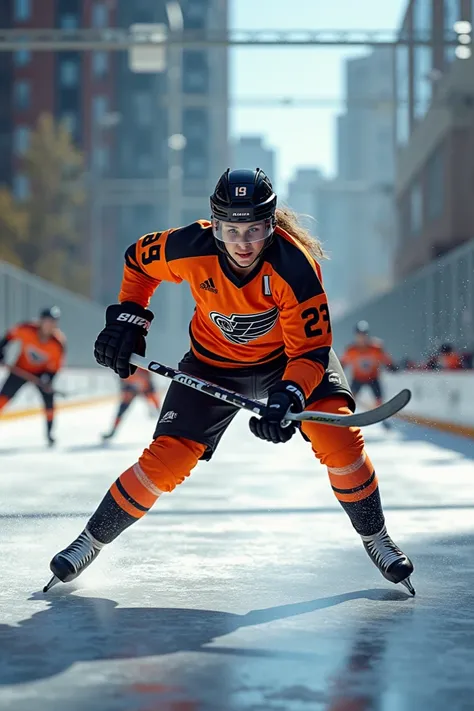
(47,326)
(244,241)
(362,339)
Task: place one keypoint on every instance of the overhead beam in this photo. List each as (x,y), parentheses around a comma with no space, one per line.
(116,39)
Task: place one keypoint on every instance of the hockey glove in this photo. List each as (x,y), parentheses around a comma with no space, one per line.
(282,397)
(126,326)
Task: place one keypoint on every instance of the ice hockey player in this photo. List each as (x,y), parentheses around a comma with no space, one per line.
(140,383)
(261,327)
(366,356)
(42,352)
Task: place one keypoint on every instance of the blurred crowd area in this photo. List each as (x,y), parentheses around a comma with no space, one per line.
(447,357)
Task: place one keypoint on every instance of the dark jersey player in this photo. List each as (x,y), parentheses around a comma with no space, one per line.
(42,350)
(262,329)
(140,383)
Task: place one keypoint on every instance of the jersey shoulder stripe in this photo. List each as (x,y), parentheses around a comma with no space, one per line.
(294,267)
(194,240)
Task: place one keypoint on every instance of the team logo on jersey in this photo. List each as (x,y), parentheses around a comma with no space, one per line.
(35,356)
(243,328)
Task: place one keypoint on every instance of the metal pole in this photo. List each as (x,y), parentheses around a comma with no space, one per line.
(95,214)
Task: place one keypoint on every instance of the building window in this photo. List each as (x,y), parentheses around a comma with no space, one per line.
(22,57)
(22,10)
(21,187)
(70,120)
(196,124)
(22,94)
(99,108)
(68,73)
(452,13)
(143,108)
(195,72)
(101,158)
(435,185)
(68,21)
(21,139)
(100,15)
(145,163)
(195,161)
(416,209)
(195,14)
(402,59)
(422,57)
(100,64)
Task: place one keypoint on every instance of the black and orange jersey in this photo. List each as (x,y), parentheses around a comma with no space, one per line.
(366,360)
(37,355)
(141,381)
(280,307)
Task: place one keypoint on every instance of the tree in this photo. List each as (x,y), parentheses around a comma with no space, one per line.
(45,232)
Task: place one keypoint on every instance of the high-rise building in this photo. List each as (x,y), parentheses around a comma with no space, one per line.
(434,135)
(355,213)
(303,191)
(250,152)
(72,86)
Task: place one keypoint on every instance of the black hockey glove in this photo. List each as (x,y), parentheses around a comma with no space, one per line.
(126,326)
(282,397)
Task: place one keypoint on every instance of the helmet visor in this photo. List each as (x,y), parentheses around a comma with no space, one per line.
(242,232)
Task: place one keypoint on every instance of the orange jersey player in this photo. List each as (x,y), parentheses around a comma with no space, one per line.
(140,383)
(42,350)
(261,327)
(366,357)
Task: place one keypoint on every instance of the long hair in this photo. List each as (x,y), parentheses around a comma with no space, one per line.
(288,220)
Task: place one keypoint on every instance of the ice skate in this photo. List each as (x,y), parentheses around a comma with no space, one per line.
(108,435)
(51,441)
(70,562)
(394,565)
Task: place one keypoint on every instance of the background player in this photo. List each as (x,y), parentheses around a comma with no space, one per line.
(366,356)
(42,351)
(261,327)
(140,383)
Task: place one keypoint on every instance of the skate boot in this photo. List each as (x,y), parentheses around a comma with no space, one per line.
(107,436)
(70,562)
(389,559)
(51,440)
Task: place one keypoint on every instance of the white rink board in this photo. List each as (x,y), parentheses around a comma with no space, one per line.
(443,396)
(82,383)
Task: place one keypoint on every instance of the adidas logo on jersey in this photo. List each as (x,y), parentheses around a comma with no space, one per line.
(209,285)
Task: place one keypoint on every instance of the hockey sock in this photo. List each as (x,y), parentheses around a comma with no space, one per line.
(351,473)
(153,399)
(4,400)
(128,500)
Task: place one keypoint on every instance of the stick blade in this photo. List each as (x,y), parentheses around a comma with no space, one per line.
(360,419)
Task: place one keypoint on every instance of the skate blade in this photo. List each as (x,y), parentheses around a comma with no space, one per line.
(409,586)
(54,581)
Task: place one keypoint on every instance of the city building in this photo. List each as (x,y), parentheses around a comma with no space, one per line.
(302,192)
(434,132)
(355,211)
(250,152)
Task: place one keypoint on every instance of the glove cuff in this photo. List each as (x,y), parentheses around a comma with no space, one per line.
(293,390)
(131,313)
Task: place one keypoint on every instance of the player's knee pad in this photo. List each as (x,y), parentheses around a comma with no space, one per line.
(169,460)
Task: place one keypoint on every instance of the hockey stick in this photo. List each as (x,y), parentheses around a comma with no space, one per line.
(361,419)
(45,387)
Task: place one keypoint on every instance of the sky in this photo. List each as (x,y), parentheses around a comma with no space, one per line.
(303,136)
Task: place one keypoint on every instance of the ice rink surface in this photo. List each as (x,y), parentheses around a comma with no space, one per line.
(245,590)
